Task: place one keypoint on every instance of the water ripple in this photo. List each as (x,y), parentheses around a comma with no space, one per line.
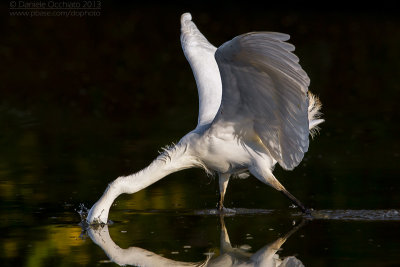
(357,215)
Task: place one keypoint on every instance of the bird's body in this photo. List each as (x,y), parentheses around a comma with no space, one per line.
(254,111)
(221,152)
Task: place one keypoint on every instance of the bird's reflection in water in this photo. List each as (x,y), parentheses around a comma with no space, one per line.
(230,256)
(266,256)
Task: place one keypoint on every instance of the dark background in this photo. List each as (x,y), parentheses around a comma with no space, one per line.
(102,94)
(85,100)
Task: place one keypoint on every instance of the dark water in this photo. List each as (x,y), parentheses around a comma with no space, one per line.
(85,100)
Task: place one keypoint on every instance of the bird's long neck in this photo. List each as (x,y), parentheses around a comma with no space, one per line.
(171,160)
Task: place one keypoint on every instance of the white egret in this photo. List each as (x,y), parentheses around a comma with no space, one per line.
(254,111)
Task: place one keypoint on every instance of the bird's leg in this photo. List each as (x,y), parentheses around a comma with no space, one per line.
(277,185)
(223,184)
(295,201)
(266,176)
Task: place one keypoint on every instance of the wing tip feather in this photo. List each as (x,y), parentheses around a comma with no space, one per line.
(186,17)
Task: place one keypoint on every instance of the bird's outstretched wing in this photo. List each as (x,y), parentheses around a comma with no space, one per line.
(200,54)
(264,92)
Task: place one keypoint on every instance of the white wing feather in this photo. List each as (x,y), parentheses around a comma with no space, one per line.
(200,54)
(265,94)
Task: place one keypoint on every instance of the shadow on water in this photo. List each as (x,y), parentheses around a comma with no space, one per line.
(229,255)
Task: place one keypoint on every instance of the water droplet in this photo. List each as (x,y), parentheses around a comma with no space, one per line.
(245,247)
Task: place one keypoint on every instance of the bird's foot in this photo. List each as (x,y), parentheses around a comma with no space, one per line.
(307,213)
(224,210)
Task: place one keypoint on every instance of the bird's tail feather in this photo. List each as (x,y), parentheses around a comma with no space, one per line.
(314,114)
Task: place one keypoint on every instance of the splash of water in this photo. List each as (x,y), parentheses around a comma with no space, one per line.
(82,211)
(357,215)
